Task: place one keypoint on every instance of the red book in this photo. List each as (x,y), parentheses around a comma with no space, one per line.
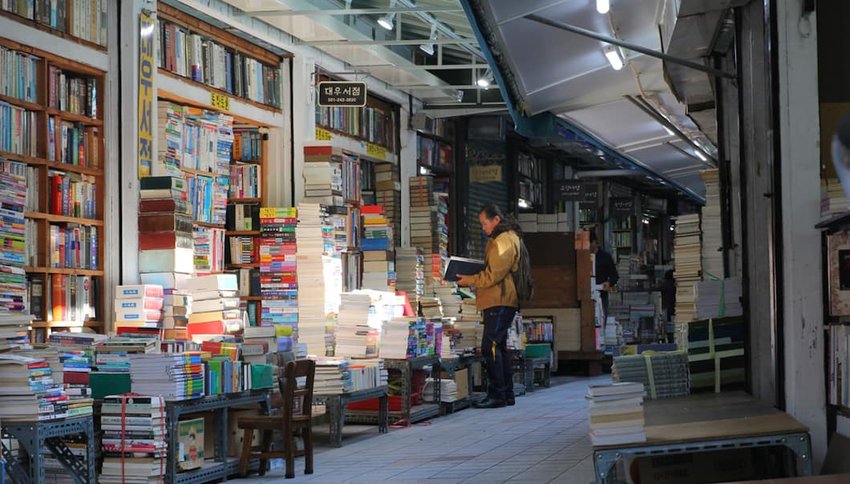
(209,327)
(163,205)
(165,240)
(371,209)
(58,296)
(76,378)
(56,194)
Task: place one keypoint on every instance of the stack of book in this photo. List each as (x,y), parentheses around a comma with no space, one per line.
(616,413)
(257,342)
(139,307)
(424,228)
(134,440)
(278,267)
(76,352)
(687,266)
(332,376)
(448,390)
(312,314)
(712,233)
(177,307)
(450,302)
(430,308)
(13,239)
(323,175)
(215,307)
(663,375)
(351,333)
(377,246)
(366,374)
(441,197)
(29,392)
(113,354)
(166,240)
(396,340)
(833,199)
(173,376)
(410,272)
(388,195)
(719,299)
(717,353)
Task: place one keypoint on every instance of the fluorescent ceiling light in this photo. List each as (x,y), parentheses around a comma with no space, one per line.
(387,20)
(429,47)
(602,6)
(669,131)
(615,58)
(700,155)
(486,80)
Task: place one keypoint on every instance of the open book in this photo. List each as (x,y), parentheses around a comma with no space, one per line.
(462,266)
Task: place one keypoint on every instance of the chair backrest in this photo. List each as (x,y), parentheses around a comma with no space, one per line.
(297,397)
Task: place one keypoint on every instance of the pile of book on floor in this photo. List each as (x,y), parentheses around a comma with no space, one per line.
(663,375)
(173,376)
(54,471)
(377,246)
(716,353)
(279,267)
(719,299)
(712,234)
(687,265)
(134,439)
(30,391)
(410,272)
(312,318)
(76,352)
(215,307)
(616,413)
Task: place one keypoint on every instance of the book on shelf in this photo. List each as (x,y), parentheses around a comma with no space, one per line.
(193,56)
(72,93)
(371,124)
(209,250)
(73,246)
(18,130)
(84,19)
(243,217)
(72,195)
(71,298)
(19,79)
(248,144)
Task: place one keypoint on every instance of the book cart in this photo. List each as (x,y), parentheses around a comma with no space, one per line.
(408,413)
(35,436)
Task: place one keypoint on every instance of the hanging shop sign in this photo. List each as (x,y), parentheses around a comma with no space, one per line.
(569,191)
(622,206)
(342,94)
(590,197)
(485,173)
(147,67)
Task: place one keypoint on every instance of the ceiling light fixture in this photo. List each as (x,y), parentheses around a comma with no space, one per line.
(669,131)
(387,21)
(602,6)
(700,155)
(486,80)
(615,57)
(429,47)
(459,95)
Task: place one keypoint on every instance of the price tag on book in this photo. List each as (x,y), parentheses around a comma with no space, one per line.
(220,101)
(376,151)
(323,135)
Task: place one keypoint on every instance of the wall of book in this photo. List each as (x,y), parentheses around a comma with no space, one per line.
(80,20)
(51,135)
(200,53)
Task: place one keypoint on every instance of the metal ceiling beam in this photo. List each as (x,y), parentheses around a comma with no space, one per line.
(421,67)
(420,87)
(630,46)
(342,11)
(644,106)
(327,43)
(607,173)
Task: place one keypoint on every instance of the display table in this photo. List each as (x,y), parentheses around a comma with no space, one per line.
(709,422)
(408,413)
(336,404)
(221,467)
(450,366)
(36,436)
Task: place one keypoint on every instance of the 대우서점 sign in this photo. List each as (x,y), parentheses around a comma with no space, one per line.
(570,191)
(342,94)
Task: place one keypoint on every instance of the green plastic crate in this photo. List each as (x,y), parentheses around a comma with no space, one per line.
(538,350)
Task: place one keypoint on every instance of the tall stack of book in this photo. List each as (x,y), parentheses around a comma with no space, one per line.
(424,226)
(166,242)
(215,307)
(712,234)
(278,267)
(450,302)
(616,413)
(388,195)
(14,235)
(351,333)
(76,352)
(410,272)
(312,314)
(30,393)
(687,266)
(134,441)
(377,247)
(323,175)
(139,307)
(173,376)
(441,198)
(719,299)
(397,341)
(663,375)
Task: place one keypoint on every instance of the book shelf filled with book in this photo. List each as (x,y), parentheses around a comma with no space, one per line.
(51,123)
(376,123)
(219,61)
(530,182)
(82,21)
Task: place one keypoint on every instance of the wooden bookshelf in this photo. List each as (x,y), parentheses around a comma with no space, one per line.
(62,33)
(40,168)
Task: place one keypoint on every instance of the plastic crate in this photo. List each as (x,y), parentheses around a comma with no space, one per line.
(538,350)
(394,403)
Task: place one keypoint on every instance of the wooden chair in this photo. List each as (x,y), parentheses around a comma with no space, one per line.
(297,414)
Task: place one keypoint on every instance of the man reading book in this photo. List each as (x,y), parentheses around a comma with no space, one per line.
(496,298)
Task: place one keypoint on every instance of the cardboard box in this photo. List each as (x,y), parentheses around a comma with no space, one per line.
(190,439)
(235,436)
(462,382)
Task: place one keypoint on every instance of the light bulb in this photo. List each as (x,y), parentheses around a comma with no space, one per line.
(602,6)
(614,57)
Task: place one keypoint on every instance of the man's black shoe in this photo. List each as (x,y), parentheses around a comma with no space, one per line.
(490,403)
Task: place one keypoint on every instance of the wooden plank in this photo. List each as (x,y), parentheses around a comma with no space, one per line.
(584,270)
(588,329)
(554,287)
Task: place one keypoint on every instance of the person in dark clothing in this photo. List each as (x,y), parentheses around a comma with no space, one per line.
(606,271)
(668,295)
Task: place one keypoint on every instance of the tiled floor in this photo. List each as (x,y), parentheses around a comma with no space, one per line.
(541,439)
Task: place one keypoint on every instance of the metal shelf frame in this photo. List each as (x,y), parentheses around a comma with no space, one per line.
(335,405)
(35,436)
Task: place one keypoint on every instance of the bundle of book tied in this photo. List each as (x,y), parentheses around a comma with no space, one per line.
(616,413)
(664,375)
(166,246)
(215,307)
(134,439)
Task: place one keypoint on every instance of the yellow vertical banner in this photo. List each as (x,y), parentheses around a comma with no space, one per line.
(147,67)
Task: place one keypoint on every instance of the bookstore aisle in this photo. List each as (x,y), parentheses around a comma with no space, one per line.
(543,438)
